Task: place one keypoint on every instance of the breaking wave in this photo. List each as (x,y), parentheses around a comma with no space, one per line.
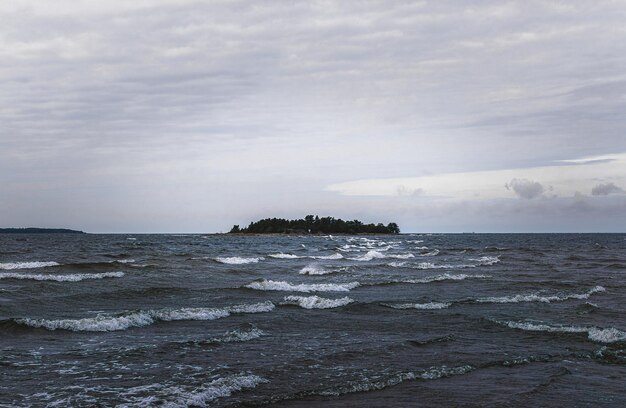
(444,277)
(61,278)
(316,302)
(376,254)
(220,388)
(280,255)
(318,270)
(333,256)
(421,306)
(434,252)
(236,260)
(483,261)
(536,297)
(432,373)
(302,287)
(27,265)
(103,323)
(597,334)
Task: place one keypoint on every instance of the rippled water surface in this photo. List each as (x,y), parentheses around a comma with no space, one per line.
(394,321)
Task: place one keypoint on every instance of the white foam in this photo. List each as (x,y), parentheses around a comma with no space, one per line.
(397,264)
(434,252)
(369,256)
(283,256)
(536,297)
(314,270)
(333,256)
(422,306)
(302,287)
(61,278)
(236,336)
(445,276)
(486,260)
(597,334)
(220,388)
(103,323)
(316,302)
(27,265)
(236,260)
(401,256)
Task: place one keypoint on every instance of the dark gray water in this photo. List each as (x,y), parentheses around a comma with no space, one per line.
(394,321)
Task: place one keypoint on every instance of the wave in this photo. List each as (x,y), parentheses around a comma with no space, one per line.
(375,254)
(220,388)
(61,278)
(237,336)
(280,255)
(434,252)
(482,261)
(302,287)
(444,277)
(432,373)
(316,302)
(597,334)
(236,260)
(27,265)
(422,306)
(536,297)
(333,256)
(319,270)
(103,323)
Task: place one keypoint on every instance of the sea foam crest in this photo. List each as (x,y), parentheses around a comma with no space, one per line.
(237,335)
(281,255)
(236,260)
(27,265)
(61,278)
(316,302)
(537,297)
(421,306)
(486,260)
(103,323)
(302,287)
(444,277)
(333,256)
(314,270)
(597,334)
(432,373)
(220,388)
(434,252)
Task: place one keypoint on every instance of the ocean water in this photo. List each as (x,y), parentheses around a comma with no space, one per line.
(379,321)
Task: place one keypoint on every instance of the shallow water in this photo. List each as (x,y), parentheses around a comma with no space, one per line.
(395,321)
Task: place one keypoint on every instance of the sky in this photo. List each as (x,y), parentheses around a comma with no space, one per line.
(192,116)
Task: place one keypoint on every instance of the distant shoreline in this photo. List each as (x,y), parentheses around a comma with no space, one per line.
(33,230)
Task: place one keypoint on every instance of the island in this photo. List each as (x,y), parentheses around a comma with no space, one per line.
(33,230)
(313,224)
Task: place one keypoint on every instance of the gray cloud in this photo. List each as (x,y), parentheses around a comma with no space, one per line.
(606,189)
(222,101)
(527,189)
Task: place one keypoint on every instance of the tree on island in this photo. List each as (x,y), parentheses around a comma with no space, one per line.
(315,225)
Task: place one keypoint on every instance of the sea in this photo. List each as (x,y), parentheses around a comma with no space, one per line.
(410,320)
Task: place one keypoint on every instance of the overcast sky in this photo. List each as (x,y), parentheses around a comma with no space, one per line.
(192,116)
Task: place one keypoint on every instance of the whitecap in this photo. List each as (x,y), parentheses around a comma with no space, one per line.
(237,335)
(597,334)
(220,388)
(434,252)
(61,278)
(236,260)
(103,323)
(369,256)
(421,306)
(314,270)
(316,302)
(486,260)
(27,265)
(302,287)
(537,297)
(333,256)
(283,256)
(445,276)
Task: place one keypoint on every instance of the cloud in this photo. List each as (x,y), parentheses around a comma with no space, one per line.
(606,189)
(525,188)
